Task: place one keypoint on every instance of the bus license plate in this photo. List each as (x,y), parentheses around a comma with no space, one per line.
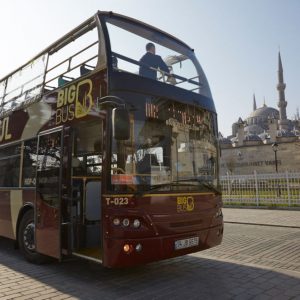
(187,243)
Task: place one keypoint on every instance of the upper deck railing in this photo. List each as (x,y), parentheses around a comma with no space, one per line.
(72,56)
(170,77)
(84,49)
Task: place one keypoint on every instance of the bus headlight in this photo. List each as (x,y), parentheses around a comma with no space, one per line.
(136,223)
(138,248)
(116,221)
(125,222)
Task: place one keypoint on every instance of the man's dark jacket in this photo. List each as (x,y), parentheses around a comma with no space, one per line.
(154,61)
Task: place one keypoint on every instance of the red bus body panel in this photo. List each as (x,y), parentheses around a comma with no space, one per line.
(162,223)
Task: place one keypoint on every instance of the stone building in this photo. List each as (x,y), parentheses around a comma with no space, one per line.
(250,148)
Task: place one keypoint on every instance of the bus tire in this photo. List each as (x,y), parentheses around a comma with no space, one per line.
(26,239)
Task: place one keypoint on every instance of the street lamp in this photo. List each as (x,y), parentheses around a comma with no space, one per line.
(275,149)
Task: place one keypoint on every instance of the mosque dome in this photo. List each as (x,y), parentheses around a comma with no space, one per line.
(258,120)
(265,112)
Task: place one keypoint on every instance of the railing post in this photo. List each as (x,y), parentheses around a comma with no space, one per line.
(288,187)
(228,187)
(256,188)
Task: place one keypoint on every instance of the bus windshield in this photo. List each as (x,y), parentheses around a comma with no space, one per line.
(128,40)
(170,142)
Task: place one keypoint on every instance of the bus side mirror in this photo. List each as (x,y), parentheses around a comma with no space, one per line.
(120,124)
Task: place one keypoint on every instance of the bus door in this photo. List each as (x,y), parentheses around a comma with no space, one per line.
(87,190)
(48,193)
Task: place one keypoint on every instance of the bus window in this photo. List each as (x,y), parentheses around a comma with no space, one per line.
(87,159)
(169,142)
(24,84)
(145,158)
(29,163)
(182,70)
(76,58)
(10,166)
(2,91)
(48,168)
(94,165)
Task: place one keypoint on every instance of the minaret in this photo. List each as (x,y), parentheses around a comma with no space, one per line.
(272,121)
(240,131)
(283,122)
(254,103)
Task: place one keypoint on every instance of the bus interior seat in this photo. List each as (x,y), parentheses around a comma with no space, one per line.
(85,69)
(93,201)
(63,79)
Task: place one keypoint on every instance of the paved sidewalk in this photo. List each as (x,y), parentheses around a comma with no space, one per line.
(285,218)
(253,262)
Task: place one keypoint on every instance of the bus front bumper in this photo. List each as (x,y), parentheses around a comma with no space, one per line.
(130,252)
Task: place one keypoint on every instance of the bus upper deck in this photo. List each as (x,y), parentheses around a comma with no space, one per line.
(106,40)
(104,162)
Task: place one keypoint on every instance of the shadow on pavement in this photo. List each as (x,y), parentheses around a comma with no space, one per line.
(185,277)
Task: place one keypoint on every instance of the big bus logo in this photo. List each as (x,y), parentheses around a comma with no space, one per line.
(185,203)
(4,134)
(74,101)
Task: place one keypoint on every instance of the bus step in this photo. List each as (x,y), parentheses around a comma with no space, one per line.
(93,254)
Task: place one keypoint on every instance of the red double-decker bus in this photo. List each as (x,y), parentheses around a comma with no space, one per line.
(99,159)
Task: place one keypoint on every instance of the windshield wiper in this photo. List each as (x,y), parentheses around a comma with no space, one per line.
(158,186)
(211,187)
(203,183)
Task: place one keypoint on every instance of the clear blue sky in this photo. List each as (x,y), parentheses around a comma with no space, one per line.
(236,41)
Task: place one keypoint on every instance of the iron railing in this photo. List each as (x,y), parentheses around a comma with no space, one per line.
(262,189)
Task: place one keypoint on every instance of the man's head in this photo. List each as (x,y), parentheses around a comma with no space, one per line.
(150,47)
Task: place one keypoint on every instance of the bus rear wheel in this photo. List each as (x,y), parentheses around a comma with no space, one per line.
(26,239)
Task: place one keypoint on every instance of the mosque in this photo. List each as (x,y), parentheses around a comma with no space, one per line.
(251,146)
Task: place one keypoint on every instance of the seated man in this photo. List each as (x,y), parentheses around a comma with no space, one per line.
(151,60)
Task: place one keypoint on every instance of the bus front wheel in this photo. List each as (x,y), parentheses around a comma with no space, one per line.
(26,239)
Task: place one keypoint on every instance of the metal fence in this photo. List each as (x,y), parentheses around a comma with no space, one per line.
(262,189)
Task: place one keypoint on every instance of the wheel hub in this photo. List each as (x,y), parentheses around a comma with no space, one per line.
(28,236)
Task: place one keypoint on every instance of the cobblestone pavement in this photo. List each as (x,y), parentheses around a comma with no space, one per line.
(253,262)
(275,217)
(259,245)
